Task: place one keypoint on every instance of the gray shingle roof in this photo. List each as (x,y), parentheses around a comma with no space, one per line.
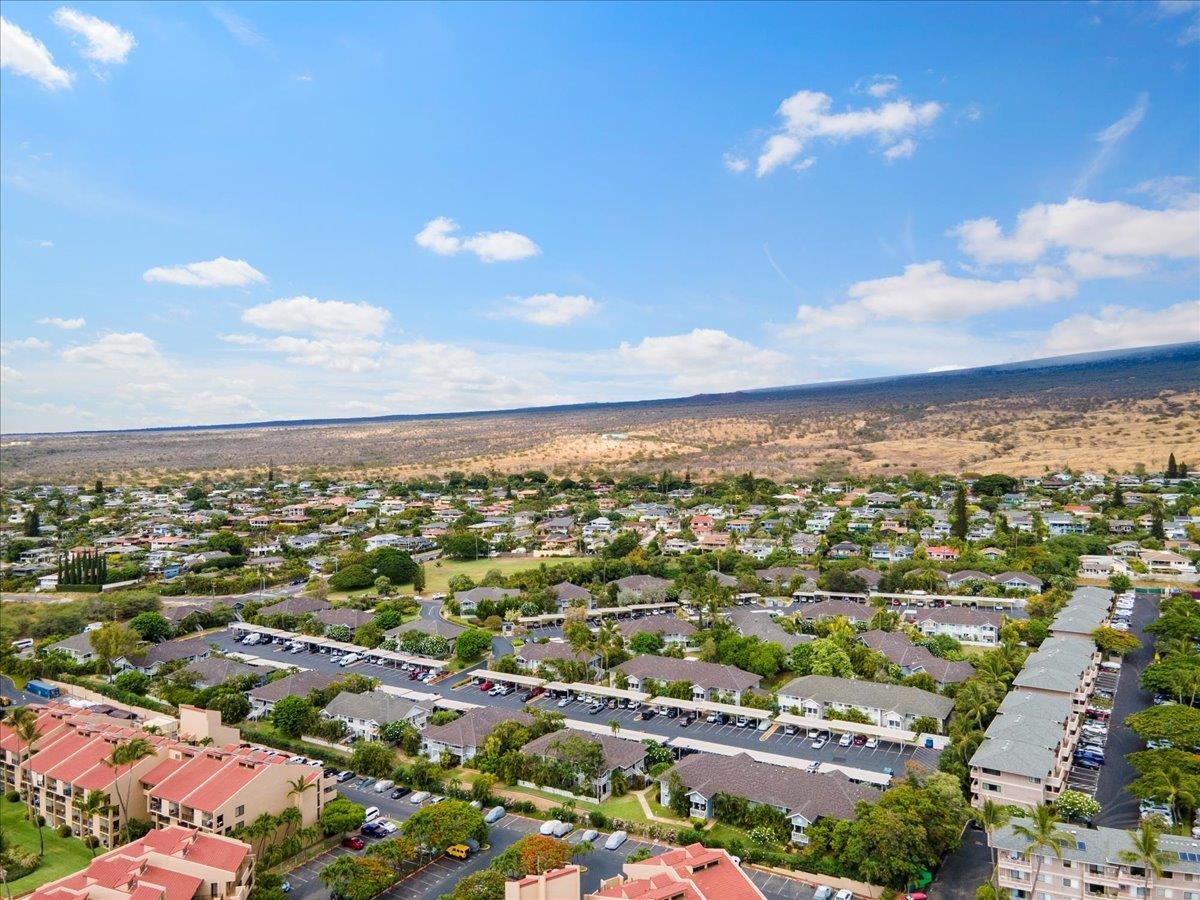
(373,706)
(218,669)
(299,683)
(655,625)
(808,794)
(619,753)
(873,695)
(760,624)
(295,606)
(897,647)
(1103,846)
(710,676)
(472,727)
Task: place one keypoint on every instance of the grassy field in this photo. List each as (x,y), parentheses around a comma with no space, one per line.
(63,855)
(438,573)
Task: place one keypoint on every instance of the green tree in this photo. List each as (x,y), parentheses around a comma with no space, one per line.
(485,885)
(33,524)
(1041,832)
(234,707)
(960,521)
(356,877)
(90,804)
(340,816)
(1172,722)
(471,645)
(121,760)
(396,565)
(1114,642)
(151,626)
(1146,854)
(112,641)
(992,816)
(643,643)
(351,578)
(23,722)
(445,823)
(373,758)
(1076,805)
(292,715)
(133,681)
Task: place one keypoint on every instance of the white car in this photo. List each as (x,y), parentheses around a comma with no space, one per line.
(387,826)
(819,743)
(845,740)
(418,798)
(872,743)
(549,827)
(565,701)
(844,894)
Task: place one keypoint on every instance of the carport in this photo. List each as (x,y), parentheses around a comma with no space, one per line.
(700,707)
(526,681)
(598,690)
(895,735)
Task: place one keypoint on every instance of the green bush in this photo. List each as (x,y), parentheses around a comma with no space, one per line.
(598,819)
(64,831)
(13,796)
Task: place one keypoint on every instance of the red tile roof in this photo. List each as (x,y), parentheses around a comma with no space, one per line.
(694,872)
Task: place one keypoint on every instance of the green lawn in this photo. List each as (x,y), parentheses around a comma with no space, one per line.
(437,573)
(62,857)
(630,810)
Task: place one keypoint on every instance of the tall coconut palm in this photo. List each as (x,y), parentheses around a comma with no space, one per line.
(1173,785)
(298,787)
(90,805)
(260,830)
(1145,854)
(122,760)
(24,723)
(991,816)
(1040,829)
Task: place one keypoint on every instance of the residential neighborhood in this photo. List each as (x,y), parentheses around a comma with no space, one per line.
(579,668)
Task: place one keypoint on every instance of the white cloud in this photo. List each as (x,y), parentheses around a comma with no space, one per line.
(735,163)
(1191,33)
(439,236)
(29,343)
(1170,190)
(219,272)
(1090,266)
(878,86)
(927,293)
(1115,327)
(548,309)
(44,245)
(131,351)
(902,150)
(707,359)
(242,30)
(65,324)
(807,116)
(8,373)
(24,54)
(305,315)
(1110,138)
(106,43)
(341,354)
(1109,229)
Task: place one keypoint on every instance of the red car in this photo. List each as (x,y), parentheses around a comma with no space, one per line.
(486,686)
(859,740)
(353,843)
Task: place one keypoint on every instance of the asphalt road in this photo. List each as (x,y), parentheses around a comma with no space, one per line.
(1118,808)
(892,756)
(18,698)
(963,870)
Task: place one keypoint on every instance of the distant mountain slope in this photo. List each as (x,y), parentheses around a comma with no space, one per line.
(1094,410)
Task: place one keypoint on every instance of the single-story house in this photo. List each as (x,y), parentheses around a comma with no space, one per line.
(468,600)
(156,655)
(620,755)
(913,659)
(78,647)
(671,629)
(533,655)
(299,684)
(214,670)
(804,797)
(569,595)
(464,736)
(364,714)
(295,606)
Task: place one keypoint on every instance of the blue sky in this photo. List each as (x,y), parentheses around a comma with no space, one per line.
(234,212)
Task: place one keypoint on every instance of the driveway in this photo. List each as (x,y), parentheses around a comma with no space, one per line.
(1118,808)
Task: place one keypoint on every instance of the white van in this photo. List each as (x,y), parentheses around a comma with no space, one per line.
(348,659)
(372,814)
(23,644)
(251,640)
(386,785)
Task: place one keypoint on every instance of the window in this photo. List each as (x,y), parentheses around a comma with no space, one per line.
(1033,779)
(240,811)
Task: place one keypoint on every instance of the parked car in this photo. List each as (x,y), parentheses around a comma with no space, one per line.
(401,792)
(353,843)
(419,797)
(345,776)
(548,827)
(565,701)
(589,836)
(860,740)
(844,894)
(562,829)
(819,743)
(615,840)
(495,814)
(845,740)
(371,814)
(825,892)
(486,686)
(286,886)
(872,743)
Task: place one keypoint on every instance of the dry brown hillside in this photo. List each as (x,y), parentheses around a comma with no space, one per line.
(1094,414)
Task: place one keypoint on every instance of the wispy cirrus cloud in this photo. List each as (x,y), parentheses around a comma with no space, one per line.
(104,42)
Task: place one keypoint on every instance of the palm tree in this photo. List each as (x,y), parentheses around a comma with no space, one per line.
(1172,784)
(1041,833)
(298,787)
(125,756)
(991,816)
(24,724)
(1145,854)
(90,805)
(614,726)
(260,830)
